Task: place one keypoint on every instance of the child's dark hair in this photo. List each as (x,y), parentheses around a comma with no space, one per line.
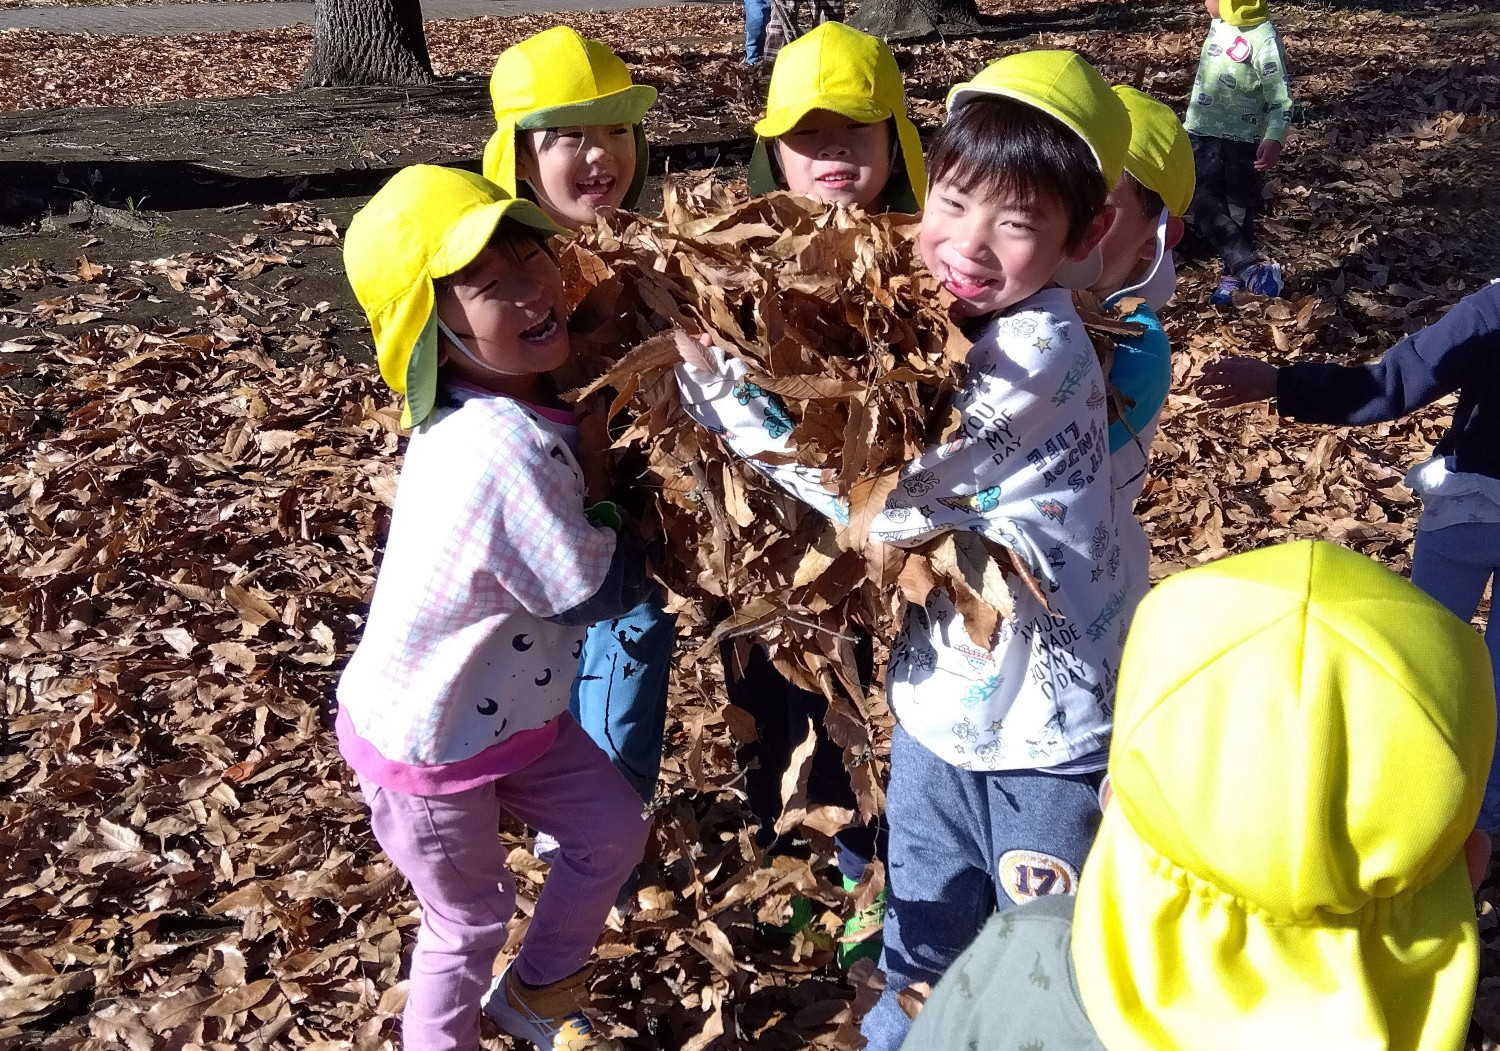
(996,145)
(509,236)
(1150,201)
(523,141)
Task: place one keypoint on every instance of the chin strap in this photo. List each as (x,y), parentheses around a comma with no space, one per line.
(463,349)
(1156,261)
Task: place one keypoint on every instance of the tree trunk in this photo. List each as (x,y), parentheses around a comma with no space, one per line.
(362,42)
(910,19)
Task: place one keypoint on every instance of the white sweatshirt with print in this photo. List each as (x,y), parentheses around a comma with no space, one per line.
(1029,468)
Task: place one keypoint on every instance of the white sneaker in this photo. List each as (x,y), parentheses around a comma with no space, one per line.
(545,847)
(551,1017)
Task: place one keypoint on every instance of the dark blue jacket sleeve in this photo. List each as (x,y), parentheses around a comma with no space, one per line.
(1462,346)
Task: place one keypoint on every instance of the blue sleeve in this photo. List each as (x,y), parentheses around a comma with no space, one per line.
(1464,344)
(1142,371)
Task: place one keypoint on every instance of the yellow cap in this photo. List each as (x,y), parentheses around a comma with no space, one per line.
(1244,14)
(1062,85)
(1160,156)
(426,223)
(1301,744)
(558,79)
(850,73)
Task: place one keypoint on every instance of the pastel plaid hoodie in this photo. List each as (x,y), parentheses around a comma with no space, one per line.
(459,675)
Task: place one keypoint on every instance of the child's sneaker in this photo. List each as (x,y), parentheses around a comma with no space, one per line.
(853,948)
(545,847)
(1224,295)
(1263,279)
(551,1017)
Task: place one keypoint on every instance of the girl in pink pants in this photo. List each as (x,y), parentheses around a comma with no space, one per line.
(454,706)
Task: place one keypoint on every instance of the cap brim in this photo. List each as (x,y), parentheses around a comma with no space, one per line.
(1079,274)
(421,375)
(962,93)
(1165,960)
(1160,253)
(855,107)
(473,230)
(626,106)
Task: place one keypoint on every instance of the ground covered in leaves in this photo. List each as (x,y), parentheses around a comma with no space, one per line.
(198,462)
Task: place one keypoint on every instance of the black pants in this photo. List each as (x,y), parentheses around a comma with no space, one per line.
(1227,180)
(782,712)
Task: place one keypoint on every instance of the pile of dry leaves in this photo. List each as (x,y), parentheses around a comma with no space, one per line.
(190,517)
(191,513)
(833,316)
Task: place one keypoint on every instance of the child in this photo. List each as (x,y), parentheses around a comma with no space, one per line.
(1149,201)
(567,126)
(771,24)
(836,129)
(568,134)
(1237,115)
(836,126)
(997,755)
(1288,859)
(1458,537)
(454,705)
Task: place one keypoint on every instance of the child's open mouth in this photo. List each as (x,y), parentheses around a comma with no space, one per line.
(542,331)
(838,180)
(596,188)
(965,286)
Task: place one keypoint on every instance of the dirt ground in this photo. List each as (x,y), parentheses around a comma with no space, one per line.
(198,460)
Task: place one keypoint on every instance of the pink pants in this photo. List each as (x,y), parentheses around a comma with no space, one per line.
(449,848)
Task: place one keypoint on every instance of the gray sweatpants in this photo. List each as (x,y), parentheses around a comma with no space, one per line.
(962,845)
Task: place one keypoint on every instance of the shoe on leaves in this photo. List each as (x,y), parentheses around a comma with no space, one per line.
(856,943)
(1224,295)
(1263,279)
(550,1016)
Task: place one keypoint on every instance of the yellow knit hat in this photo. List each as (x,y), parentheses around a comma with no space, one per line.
(1244,14)
(1301,745)
(1063,85)
(1160,156)
(844,71)
(426,223)
(558,79)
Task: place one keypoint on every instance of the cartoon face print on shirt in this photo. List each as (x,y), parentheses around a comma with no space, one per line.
(919,484)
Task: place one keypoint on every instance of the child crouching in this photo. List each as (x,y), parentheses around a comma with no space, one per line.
(454,706)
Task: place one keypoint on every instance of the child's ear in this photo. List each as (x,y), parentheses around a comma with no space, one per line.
(525,159)
(1175,229)
(1094,234)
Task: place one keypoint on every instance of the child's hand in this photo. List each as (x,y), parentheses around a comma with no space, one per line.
(1267,154)
(692,350)
(1235,381)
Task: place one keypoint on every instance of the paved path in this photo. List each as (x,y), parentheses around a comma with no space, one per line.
(181,19)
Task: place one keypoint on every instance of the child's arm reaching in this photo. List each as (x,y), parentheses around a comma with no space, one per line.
(1028,440)
(1461,346)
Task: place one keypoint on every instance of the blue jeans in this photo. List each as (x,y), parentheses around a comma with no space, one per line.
(1453,565)
(620,695)
(964,843)
(757,15)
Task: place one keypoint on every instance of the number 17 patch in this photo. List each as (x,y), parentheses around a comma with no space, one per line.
(1027,874)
